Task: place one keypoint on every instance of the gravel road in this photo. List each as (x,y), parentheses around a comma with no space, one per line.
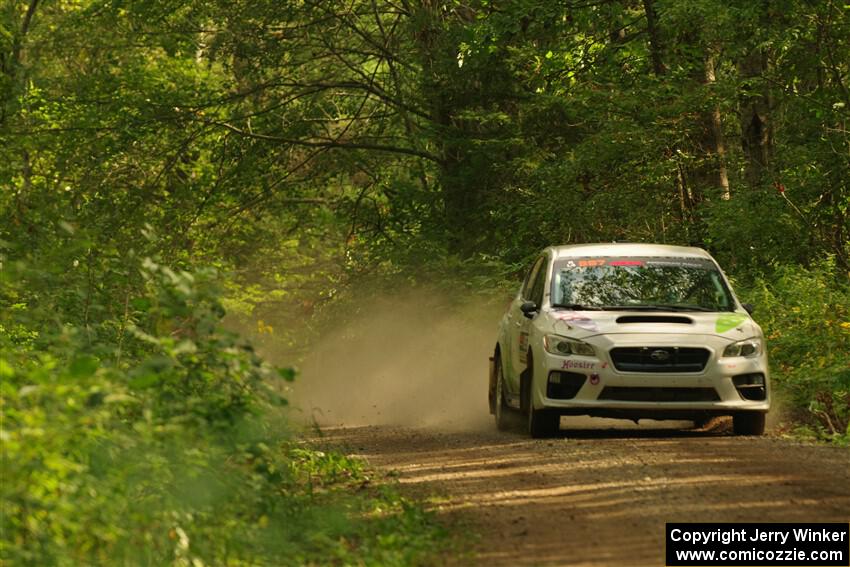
(601,496)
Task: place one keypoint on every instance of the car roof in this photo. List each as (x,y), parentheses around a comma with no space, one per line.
(627,249)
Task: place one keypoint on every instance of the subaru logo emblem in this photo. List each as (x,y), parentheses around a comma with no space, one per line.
(659,355)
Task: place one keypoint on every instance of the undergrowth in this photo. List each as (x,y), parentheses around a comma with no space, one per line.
(805,314)
(159,438)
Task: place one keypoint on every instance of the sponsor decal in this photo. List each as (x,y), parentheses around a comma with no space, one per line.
(577,320)
(729,321)
(697,263)
(577,364)
(604,365)
(684,263)
(625,263)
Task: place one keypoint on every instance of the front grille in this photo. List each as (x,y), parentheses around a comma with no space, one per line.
(635,394)
(660,359)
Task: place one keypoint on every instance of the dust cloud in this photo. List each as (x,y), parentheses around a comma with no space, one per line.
(418,359)
(413,359)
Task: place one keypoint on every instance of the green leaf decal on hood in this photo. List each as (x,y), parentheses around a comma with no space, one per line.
(730,321)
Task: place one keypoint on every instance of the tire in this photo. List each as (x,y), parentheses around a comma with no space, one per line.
(748,423)
(505,418)
(542,423)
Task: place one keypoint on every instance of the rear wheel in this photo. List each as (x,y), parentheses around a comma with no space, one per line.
(504,413)
(749,423)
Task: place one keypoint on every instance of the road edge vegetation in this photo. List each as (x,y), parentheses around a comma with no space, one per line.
(170,445)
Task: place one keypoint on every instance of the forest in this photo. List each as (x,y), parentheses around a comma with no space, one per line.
(185,181)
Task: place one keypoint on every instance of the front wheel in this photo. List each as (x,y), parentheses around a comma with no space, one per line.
(748,423)
(542,423)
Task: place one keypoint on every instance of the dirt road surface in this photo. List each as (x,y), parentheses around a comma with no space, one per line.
(601,496)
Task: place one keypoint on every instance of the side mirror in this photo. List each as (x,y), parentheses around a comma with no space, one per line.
(749,307)
(529,309)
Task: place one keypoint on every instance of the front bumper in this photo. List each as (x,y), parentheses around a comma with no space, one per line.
(594,385)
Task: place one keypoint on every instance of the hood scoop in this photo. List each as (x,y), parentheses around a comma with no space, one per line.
(655,319)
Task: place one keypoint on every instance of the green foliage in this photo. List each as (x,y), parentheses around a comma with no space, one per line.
(173,450)
(294,148)
(805,314)
(436,138)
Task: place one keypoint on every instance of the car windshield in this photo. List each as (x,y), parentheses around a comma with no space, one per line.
(676,284)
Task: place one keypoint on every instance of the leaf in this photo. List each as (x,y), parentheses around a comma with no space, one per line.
(120,398)
(6,370)
(83,366)
(141,303)
(146,380)
(287,374)
(149,373)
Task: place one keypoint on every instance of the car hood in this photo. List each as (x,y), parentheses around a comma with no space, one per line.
(586,324)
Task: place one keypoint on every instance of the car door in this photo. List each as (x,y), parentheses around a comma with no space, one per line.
(519,324)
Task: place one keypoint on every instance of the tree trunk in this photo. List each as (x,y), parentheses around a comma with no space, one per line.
(466,173)
(718,145)
(712,172)
(457,197)
(11,62)
(756,127)
(656,48)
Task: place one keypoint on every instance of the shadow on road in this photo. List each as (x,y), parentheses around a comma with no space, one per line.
(617,433)
(600,494)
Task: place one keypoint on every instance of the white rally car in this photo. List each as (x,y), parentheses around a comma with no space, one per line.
(628,331)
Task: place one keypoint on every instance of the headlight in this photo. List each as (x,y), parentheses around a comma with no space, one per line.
(748,348)
(564,346)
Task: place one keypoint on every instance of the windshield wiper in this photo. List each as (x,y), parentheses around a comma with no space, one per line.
(657,307)
(577,306)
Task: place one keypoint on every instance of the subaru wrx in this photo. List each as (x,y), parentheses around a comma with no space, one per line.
(634,331)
